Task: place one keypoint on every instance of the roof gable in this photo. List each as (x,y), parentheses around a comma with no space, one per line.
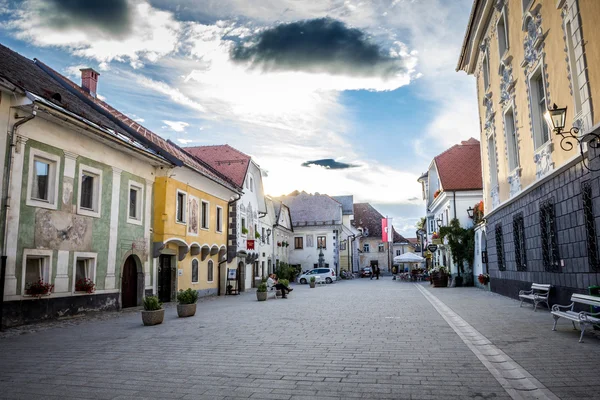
(368,218)
(459,167)
(227,160)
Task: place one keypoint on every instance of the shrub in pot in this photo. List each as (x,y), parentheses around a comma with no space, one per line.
(313,282)
(261,292)
(187,299)
(153,313)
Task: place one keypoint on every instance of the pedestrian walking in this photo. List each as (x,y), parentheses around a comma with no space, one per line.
(377,271)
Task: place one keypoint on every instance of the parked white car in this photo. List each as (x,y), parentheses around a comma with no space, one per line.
(325,273)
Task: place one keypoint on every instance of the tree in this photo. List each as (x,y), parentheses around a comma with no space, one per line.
(461,242)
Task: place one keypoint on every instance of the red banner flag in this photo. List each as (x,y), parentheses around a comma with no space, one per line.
(384,230)
(250,244)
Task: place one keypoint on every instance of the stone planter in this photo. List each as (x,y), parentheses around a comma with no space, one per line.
(156,317)
(186,310)
(313,284)
(261,296)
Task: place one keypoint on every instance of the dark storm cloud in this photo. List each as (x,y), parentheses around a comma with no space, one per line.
(329,163)
(317,45)
(112,17)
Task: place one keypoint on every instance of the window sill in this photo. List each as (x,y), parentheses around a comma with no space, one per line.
(134,221)
(181,222)
(41,204)
(195,283)
(88,213)
(204,228)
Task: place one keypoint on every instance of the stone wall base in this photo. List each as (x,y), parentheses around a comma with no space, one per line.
(34,310)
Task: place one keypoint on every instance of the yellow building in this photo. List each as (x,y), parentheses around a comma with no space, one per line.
(539,195)
(190,228)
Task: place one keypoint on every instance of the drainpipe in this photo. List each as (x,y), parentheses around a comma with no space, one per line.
(5,202)
(454,199)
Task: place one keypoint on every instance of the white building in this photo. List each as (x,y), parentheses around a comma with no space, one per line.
(317,223)
(451,186)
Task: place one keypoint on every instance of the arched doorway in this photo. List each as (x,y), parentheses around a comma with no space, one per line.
(129,283)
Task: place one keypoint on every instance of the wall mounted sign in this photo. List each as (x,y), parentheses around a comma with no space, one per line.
(250,244)
(231,274)
(432,248)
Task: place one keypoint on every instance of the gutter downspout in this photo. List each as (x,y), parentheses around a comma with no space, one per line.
(5,203)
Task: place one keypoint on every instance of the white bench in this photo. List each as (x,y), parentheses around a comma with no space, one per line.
(538,294)
(584,318)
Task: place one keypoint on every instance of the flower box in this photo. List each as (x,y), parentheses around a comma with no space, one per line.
(85,285)
(39,288)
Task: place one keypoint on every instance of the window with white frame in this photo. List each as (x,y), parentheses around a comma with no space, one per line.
(343,245)
(262,235)
(42,183)
(210,271)
(366,248)
(381,247)
(134,204)
(219,219)
(36,267)
(511,139)
(84,270)
(492,159)
(321,242)
(537,93)
(251,184)
(90,191)
(181,206)
(194,271)
(573,67)
(244,229)
(502,29)
(398,252)
(205,214)
(486,73)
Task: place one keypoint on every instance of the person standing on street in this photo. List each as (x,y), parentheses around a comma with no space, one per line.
(377,271)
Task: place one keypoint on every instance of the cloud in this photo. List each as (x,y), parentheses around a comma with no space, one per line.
(177,126)
(111,17)
(321,45)
(130,31)
(329,163)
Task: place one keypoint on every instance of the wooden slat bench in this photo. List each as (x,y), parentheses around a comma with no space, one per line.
(538,294)
(584,318)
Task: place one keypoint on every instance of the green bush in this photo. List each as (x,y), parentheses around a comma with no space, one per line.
(151,303)
(189,296)
(289,272)
(262,288)
(313,279)
(284,282)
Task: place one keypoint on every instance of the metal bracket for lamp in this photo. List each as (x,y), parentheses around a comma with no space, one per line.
(555,117)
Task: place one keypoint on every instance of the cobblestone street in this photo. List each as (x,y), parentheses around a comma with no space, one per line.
(352,339)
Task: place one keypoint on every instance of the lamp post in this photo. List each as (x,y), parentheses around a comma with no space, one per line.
(556,118)
(439,223)
(470,212)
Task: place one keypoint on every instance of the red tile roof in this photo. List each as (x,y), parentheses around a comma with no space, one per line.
(228,161)
(158,141)
(459,167)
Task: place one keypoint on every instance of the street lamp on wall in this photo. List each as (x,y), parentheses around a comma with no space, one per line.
(439,222)
(556,118)
(470,212)
(269,232)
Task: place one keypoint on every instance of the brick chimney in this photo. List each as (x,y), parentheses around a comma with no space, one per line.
(89,80)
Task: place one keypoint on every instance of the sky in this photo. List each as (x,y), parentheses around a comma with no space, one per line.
(330,96)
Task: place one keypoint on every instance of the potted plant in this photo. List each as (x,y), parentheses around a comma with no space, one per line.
(313,282)
(484,279)
(261,292)
(153,313)
(437,193)
(187,299)
(85,285)
(439,277)
(244,231)
(278,244)
(38,288)
(256,235)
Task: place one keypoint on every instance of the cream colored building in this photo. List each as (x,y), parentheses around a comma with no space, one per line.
(526,56)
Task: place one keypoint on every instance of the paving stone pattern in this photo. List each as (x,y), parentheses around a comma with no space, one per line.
(353,339)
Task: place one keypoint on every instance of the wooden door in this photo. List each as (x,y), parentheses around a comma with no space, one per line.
(164,278)
(129,284)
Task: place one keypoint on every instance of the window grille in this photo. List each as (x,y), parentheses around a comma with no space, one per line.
(519,239)
(500,248)
(590,226)
(549,242)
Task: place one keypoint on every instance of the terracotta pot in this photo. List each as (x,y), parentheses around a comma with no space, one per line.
(439,280)
(186,310)
(261,296)
(156,317)
(313,284)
